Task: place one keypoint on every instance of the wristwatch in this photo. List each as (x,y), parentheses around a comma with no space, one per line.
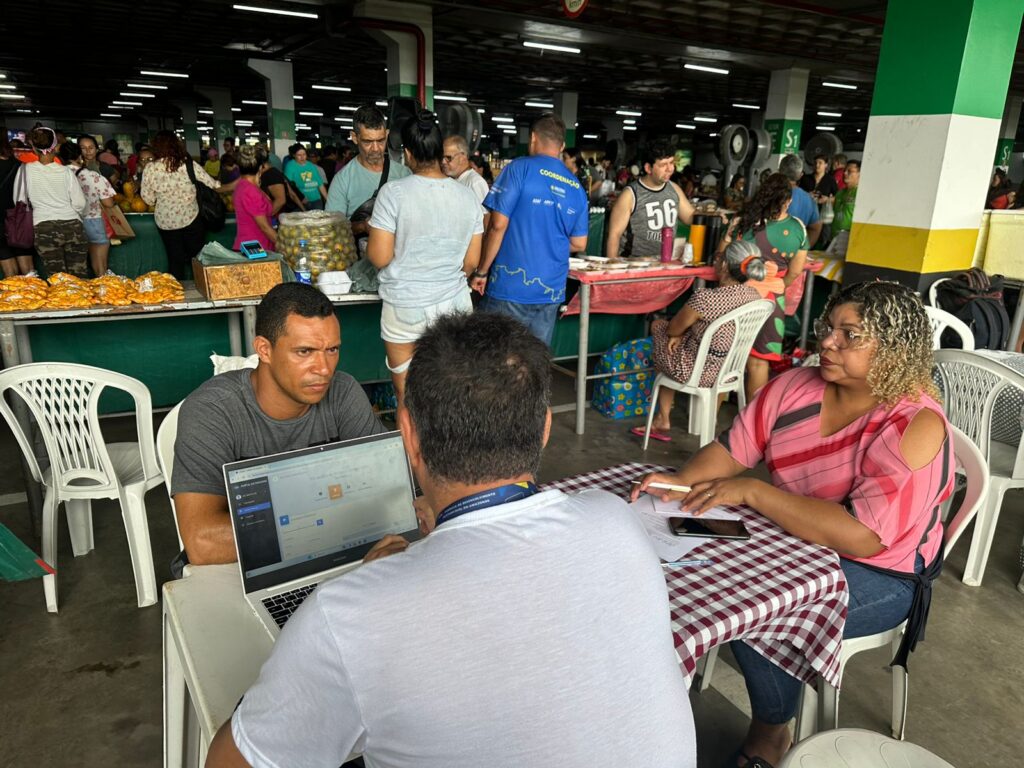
(479,274)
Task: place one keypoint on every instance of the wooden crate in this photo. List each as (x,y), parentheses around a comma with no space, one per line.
(236,281)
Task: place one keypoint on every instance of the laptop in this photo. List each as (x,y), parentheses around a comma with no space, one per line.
(304,516)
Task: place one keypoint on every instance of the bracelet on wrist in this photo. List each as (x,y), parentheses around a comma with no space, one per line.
(477,273)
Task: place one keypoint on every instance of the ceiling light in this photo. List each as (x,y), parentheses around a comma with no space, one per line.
(128,103)
(154,73)
(383,103)
(540,104)
(311,114)
(830,114)
(244,123)
(712,135)
(631,121)
(343,119)
(9,87)
(331,88)
(275,11)
(29,111)
(503,119)
(139,95)
(236,109)
(146,85)
(705,119)
(629,127)
(627,113)
(844,86)
(746,106)
(858,130)
(299,98)
(205,111)
(549,47)
(11,96)
(510,132)
(686,126)
(348,109)
(702,68)
(102,114)
(824,128)
(591,136)
(4,77)
(254,101)
(115,106)
(480,110)
(448,97)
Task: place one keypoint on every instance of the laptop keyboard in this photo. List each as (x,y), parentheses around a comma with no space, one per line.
(282,606)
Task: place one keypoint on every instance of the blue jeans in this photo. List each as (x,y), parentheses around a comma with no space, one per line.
(539,318)
(877,602)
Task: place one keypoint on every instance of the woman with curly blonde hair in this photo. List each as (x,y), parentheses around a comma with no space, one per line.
(860,456)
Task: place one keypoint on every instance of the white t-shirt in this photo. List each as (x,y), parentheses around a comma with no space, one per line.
(477,183)
(433,221)
(53,192)
(531,633)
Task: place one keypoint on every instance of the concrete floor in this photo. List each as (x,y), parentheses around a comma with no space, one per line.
(83,688)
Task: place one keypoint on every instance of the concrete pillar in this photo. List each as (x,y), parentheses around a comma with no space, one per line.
(223,118)
(523,145)
(402,46)
(1008,129)
(784,112)
(939,98)
(188,119)
(612,128)
(566,106)
(280,102)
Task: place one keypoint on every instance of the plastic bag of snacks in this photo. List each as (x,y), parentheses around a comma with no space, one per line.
(113,290)
(329,243)
(156,288)
(19,293)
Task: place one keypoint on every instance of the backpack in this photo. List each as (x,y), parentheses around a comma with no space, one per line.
(977,300)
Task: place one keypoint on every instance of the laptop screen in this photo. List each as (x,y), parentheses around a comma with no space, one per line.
(303,512)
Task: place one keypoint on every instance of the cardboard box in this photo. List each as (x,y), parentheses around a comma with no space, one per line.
(237,281)
(115,218)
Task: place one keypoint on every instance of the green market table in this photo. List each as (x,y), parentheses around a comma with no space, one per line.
(145,252)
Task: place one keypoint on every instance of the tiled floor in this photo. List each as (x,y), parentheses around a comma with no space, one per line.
(83,688)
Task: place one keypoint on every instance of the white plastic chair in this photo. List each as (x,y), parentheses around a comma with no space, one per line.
(940,320)
(747,321)
(856,748)
(63,400)
(972,464)
(971,384)
(165,437)
(933,291)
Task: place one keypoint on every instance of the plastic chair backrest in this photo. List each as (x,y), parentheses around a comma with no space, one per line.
(63,398)
(846,747)
(974,466)
(165,437)
(747,322)
(940,320)
(971,383)
(933,292)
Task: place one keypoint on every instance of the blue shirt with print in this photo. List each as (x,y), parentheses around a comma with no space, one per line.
(545,206)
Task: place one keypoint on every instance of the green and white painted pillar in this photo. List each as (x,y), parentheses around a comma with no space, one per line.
(939,96)
(223,119)
(566,107)
(784,112)
(280,102)
(188,120)
(401,46)
(1008,130)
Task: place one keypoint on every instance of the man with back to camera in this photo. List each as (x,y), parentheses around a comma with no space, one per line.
(354,184)
(647,205)
(539,215)
(294,399)
(528,628)
(802,205)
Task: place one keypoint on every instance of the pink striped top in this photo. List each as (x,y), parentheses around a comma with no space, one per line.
(860,466)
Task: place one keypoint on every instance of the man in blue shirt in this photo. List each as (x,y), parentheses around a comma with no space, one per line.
(539,215)
(802,206)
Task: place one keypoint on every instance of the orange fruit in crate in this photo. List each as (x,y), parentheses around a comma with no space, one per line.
(129,189)
(138,205)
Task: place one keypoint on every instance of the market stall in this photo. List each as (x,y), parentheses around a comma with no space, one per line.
(145,252)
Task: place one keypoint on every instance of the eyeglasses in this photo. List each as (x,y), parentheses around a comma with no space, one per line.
(449,158)
(844,339)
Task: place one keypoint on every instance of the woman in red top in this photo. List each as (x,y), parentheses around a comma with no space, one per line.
(861,457)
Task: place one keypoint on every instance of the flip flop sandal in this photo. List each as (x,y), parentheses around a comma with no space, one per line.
(655,435)
(751,762)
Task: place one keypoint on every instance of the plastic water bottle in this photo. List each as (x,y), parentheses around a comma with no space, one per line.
(303,271)
(667,239)
(688,254)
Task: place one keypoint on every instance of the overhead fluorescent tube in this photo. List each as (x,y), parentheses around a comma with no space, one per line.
(447,97)
(205,111)
(540,104)
(311,114)
(746,106)
(591,136)
(331,88)
(550,47)
(627,113)
(503,119)
(844,86)
(824,128)
(686,126)
(830,114)
(103,114)
(154,73)
(275,11)
(254,101)
(702,68)
(705,119)
(126,103)
(146,85)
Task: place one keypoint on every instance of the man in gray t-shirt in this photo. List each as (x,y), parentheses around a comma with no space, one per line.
(294,399)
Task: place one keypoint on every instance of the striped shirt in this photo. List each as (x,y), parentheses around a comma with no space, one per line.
(860,466)
(53,192)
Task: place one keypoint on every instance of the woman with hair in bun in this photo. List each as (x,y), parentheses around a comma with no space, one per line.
(425,236)
(782,240)
(677,342)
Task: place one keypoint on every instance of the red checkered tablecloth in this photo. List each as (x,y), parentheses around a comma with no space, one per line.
(785,597)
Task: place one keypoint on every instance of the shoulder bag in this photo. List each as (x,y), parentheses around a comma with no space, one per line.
(365,211)
(212,211)
(18,220)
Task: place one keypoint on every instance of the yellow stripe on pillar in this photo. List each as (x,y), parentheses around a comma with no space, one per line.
(911,249)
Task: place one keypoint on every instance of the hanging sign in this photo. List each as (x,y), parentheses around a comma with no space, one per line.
(573,8)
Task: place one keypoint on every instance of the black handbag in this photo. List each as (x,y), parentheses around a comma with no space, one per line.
(212,211)
(365,211)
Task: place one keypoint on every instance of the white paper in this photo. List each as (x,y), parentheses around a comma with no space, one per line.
(668,546)
(671,509)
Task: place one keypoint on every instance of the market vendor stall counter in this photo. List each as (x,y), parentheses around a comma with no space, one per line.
(145,252)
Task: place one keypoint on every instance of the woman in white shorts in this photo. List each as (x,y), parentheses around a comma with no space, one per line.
(425,235)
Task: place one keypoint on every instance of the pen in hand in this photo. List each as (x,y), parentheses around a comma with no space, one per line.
(682,563)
